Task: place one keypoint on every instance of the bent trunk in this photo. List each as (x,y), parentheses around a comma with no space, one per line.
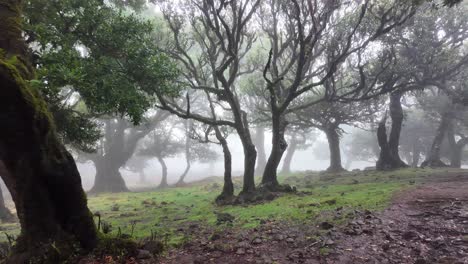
(188,157)
(279,145)
(389,157)
(227,195)
(433,158)
(334,146)
(163,183)
(286,168)
(43,180)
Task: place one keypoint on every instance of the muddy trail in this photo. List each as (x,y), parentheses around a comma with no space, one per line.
(426,224)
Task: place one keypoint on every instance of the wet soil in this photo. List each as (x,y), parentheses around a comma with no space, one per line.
(426,224)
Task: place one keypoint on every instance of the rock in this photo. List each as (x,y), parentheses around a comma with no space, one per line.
(278,237)
(257,241)
(144,254)
(326,225)
(329,242)
(240,251)
(290,240)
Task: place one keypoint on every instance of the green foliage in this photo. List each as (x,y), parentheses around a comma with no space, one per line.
(93,53)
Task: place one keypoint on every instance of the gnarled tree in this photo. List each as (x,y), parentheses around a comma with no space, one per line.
(43,179)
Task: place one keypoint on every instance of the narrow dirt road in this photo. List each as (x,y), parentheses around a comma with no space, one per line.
(427,224)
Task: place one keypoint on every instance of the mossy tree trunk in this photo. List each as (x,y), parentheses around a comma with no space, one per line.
(227,195)
(43,179)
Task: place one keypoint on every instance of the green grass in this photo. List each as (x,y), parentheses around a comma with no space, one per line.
(164,212)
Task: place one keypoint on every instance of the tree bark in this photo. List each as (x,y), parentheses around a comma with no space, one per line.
(389,157)
(286,168)
(260,145)
(227,195)
(43,179)
(279,145)
(163,183)
(250,156)
(119,149)
(334,145)
(433,158)
(456,147)
(108,177)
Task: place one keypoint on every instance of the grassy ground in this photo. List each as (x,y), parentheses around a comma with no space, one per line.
(163,213)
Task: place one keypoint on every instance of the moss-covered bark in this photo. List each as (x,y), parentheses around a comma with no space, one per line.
(43,179)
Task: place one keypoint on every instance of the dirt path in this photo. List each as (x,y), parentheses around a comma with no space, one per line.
(428,224)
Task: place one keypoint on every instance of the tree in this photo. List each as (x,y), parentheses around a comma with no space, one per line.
(299,32)
(116,148)
(299,140)
(361,146)
(212,54)
(43,179)
(416,135)
(194,150)
(162,144)
(416,67)
(5,214)
(329,116)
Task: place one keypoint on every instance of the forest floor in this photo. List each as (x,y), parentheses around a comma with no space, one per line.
(427,223)
(406,216)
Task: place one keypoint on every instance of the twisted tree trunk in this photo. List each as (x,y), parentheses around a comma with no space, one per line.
(433,158)
(279,145)
(163,183)
(389,157)
(227,195)
(286,168)
(43,180)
